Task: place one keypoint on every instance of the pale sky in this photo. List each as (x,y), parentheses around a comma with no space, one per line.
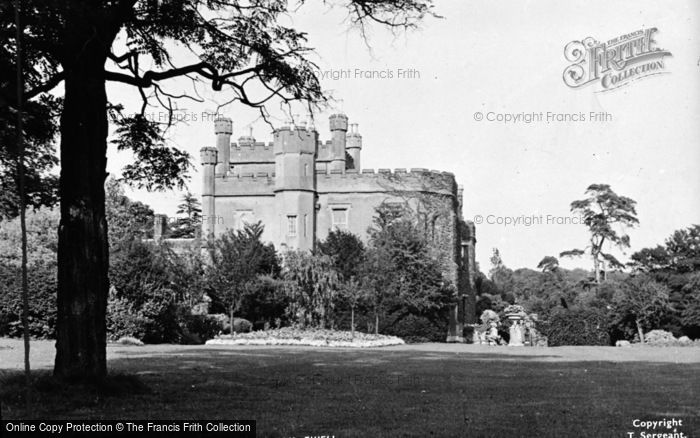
(504,57)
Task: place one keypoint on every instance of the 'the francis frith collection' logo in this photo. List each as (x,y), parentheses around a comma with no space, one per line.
(614,63)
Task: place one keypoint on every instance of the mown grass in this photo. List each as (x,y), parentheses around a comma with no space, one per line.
(346,393)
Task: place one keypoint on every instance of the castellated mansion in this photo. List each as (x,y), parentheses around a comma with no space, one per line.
(301,188)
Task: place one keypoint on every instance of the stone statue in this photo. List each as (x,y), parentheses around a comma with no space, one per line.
(516,334)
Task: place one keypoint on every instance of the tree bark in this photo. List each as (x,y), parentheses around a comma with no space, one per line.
(640,331)
(376,322)
(22,207)
(352,322)
(596,268)
(83,257)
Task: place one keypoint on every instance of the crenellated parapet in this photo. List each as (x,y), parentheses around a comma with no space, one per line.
(245,152)
(208,155)
(246,184)
(386,180)
(289,139)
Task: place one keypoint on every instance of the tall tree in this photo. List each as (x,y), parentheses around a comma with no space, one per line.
(191,208)
(378,276)
(312,286)
(346,250)
(676,264)
(400,274)
(644,301)
(548,264)
(603,211)
(235,46)
(39,132)
(127,219)
(237,258)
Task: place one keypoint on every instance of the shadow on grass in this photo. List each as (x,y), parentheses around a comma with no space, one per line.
(47,390)
(299,392)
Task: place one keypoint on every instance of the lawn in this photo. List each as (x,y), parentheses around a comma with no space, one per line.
(410,390)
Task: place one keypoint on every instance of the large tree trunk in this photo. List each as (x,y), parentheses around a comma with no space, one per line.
(596,268)
(83,257)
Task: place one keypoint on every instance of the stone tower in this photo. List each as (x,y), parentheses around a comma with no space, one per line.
(339,128)
(223,128)
(295,190)
(209,162)
(354,145)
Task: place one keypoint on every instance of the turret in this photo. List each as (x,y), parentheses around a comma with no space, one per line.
(354,145)
(247,140)
(209,157)
(295,196)
(223,128)
(339,128)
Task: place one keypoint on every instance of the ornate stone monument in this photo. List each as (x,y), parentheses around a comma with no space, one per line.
(516,315)
(516,332)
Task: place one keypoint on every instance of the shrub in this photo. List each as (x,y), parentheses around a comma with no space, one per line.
(128,340)
(416,328)
(660,337)
(201,328)
(123,319)
(156,320)
(240,325)
(577,327)
(42,300)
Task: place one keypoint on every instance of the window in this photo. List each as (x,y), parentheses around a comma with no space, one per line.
(291,225)
(305,224)
(339,218)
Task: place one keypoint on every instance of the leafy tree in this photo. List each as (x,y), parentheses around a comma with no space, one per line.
(312,287)
(266,301)
(41,267)
(236,259)
(191,208)
(137,267)
(42,239)
(353,294)
(501,276)
(379,278)
(126,219)
(690,307)
(400,275)
(602,211)
(680,253)
(40,159)
(644,301)
(346,250)
(675,264)
(237,47)
(548,264)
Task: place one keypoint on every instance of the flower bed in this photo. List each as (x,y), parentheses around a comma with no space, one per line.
(310,337)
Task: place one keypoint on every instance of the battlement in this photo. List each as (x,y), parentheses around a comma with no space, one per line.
(295,140)
(223,125)
(338,122)
(208,155)
(400,179)
(246,184)
(257,152)
(249,175)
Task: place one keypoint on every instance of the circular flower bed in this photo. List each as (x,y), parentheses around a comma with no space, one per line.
(307,336)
